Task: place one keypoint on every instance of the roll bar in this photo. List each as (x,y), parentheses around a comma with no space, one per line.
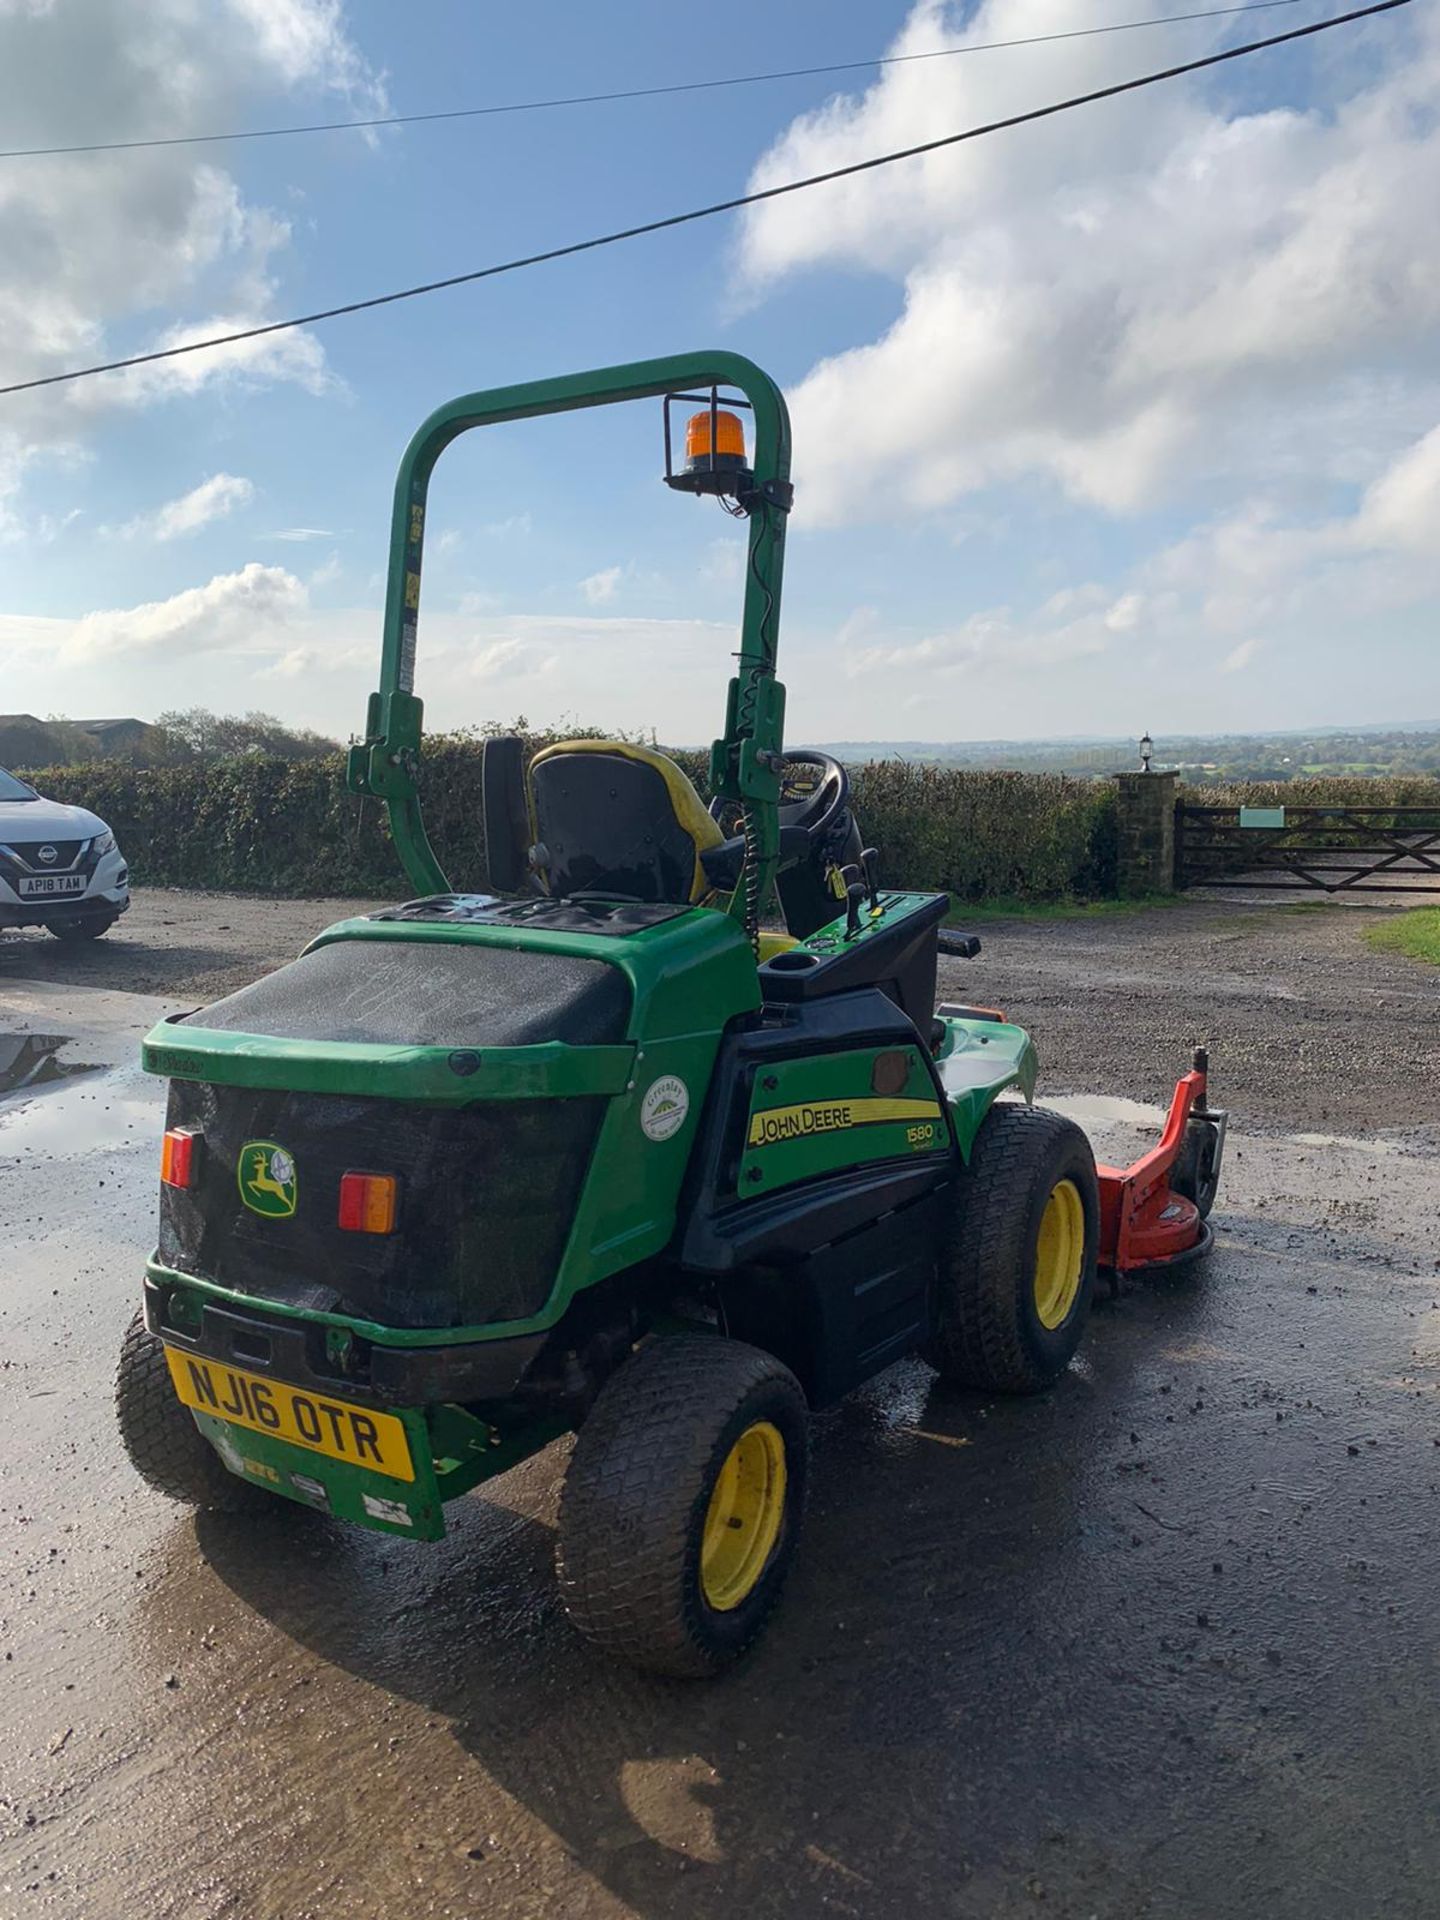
(745,762)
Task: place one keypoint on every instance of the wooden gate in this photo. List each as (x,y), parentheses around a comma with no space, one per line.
(1334,849)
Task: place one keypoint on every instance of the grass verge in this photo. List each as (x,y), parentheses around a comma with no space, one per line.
(1415,932)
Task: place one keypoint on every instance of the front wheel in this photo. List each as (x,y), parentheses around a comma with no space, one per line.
(90,927)
(683,1502)
(159,1433)
(1018,1276)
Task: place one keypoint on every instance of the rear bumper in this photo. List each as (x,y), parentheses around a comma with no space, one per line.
(300,1351)
(272,1400)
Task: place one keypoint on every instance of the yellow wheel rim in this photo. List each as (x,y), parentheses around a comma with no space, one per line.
(1059,1254)
(742,1522)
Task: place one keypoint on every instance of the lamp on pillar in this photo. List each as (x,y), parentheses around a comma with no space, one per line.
(1147,747)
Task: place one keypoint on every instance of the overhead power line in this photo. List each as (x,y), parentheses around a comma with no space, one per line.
(634,93)
(716,207)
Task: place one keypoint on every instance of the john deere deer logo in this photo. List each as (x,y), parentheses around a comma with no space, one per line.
(267,1179)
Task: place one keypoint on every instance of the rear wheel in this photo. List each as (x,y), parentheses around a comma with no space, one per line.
(90,927)
(683,1502)
(1017,1278)
(165,1446)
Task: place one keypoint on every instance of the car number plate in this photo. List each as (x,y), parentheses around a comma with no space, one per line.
(360,1436)
(49,886)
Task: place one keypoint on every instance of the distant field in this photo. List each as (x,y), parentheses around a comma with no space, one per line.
(1381,753)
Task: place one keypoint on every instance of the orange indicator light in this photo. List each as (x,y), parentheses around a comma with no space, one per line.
(369,1202)
(179,1161)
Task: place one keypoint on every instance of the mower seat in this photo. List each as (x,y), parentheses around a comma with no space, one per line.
(618,819)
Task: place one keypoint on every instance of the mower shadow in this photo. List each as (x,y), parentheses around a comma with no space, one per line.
(866,1754)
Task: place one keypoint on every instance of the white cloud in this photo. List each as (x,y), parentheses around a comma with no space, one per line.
(305,40)
(1401,510)
(601,587)
(516,523)
(996,637)
(299,535)
(212,500)
(327,573)
(289,665)
(498,660)
(480,600)
(1251,584)
(296,357)
(1252,568)
(260,623)
(101,254)
(724,563)
(229,611)
(1124,302)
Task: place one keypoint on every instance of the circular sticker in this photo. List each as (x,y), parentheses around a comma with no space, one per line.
(663,1110)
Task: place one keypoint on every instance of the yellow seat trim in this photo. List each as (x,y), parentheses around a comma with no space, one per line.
(689,809)
(773,943)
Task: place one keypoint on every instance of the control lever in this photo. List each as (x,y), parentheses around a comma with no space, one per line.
(959,946)
(870,862)
(854,899)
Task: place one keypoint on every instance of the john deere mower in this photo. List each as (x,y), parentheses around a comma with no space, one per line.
(605,1150)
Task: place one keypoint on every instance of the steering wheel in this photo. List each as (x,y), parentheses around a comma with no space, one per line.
(813,805)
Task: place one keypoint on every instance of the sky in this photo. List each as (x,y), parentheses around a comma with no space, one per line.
(1126,420)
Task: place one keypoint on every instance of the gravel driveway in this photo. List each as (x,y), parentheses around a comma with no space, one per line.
(1309,1027)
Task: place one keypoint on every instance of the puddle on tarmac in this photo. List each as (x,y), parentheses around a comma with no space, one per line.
(32,1059)
(73,1114)
(1350,1142)
(1105,1110)
(83,1119)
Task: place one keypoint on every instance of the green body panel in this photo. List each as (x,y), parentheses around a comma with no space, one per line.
(833,938)
(425,1074)
(977,1061)
(820,1114)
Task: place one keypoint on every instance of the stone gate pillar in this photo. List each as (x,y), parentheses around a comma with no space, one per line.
(1145,833)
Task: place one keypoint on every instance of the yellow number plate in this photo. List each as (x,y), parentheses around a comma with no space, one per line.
(360,1436)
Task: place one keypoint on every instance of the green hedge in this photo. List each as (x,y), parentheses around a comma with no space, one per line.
(984,835)
(262,825)
(1319,790)
(270,826)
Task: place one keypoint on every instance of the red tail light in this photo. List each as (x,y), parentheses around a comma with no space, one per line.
(369,1202)
(180,1157)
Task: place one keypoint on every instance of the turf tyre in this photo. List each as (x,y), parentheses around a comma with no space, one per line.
(988,1332)
(638,1490)
(160,1436)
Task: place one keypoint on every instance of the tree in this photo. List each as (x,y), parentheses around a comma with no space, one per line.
(197,734)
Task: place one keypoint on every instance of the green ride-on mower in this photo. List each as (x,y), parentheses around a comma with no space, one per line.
(596,1152)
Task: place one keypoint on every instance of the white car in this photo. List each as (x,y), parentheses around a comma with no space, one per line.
(59,866)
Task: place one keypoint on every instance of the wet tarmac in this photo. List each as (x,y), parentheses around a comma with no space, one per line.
(1162,1642)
